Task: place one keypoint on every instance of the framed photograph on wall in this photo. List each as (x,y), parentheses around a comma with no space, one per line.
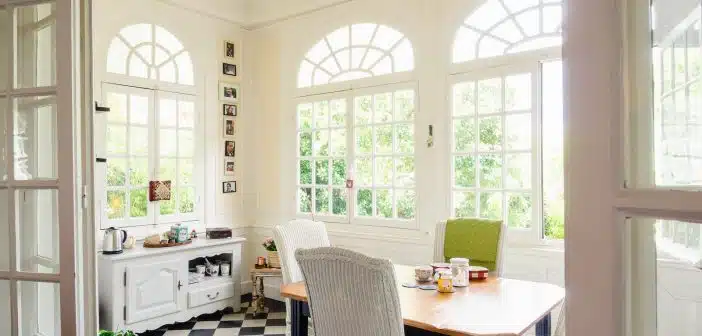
(228,167)
(229,49)
(229,92)
(229,149)
(229,110)
(229,69)
(229,127)
(229,187)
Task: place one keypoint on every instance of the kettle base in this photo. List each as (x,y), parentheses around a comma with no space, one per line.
(112,252)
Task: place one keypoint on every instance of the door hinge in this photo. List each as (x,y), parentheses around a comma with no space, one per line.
(124,312)
(125,279)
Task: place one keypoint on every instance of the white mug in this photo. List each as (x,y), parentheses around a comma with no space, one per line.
(212,270)
(224,269)
(200,269)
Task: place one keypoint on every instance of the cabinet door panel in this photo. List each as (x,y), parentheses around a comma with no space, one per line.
(153,290)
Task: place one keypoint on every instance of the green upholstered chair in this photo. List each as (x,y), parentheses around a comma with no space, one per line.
(480,242)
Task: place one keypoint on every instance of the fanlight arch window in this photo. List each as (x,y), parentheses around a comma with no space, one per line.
(501,27)
(356,51)
(150,51)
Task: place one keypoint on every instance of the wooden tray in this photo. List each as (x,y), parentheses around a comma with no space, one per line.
(167,245)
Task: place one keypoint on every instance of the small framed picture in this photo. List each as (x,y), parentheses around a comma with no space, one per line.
(228,167)
(229,110)
(228,49)
(229,149)
(229,69)
(229,127)
(229,187)
(229,92)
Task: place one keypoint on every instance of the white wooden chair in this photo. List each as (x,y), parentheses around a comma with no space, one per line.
(439,246)
(350,294)
(293,235)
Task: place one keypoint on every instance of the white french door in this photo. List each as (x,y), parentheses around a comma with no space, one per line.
(38,171)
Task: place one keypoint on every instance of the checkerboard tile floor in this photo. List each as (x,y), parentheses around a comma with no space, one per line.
(230,323)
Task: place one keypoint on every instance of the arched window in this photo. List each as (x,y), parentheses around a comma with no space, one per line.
(149,51)
(150,134)
(501,27)
(356,51)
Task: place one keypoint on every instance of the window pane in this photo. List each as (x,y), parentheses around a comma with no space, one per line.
(464,99)
(5,38)
(304,116)
(139,109)
(187,170)
(518,92)
(168,207)
(305,172)
(321,114)
(519,210)
(405,138)
(4,238)
(116,139)
(490,96)
(490,171)
(552,153)
(364,171)
(167,170)
(186,143)
(304,199)
(362,109)
(339,197)
(187,200)
(118,107)
(404,172)
(338,113)
(464,135)
(168,143)
(39,308)
(491,205)
(186,114)
(321,201)
(364,202)
(383,139)
(5,301)
(305,143)
(138,171)
(518,131)
(116,202)
(339,172)
(139,140)
(490,134)
(321,172)
(116,172)
(382,107)
(364,140)
(384,202)
(138,203)
(464,204)
(167,113)
(338,142)
(37,225)
(35,53)
(464,171)
(383,171)
(321,143)
(406,201)
(404,105)
(35,139)
(518,171)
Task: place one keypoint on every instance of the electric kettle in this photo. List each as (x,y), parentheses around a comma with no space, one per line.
(113,240)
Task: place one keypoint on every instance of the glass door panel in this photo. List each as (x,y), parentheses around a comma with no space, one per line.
(37,231)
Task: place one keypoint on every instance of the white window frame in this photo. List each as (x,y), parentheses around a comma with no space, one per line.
(351,218)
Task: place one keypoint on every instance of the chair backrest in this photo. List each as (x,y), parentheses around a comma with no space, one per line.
(440,236)
(299,233)
(350,294)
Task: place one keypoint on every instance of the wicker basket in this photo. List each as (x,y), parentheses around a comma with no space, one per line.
(273,259)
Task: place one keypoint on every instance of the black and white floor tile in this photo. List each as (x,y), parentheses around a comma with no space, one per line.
(231,323)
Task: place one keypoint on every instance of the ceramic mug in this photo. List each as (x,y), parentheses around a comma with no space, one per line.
(212,270)
(224,269)
(423,273)
(200,269)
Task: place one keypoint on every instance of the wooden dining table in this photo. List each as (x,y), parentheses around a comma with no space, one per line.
(495,306)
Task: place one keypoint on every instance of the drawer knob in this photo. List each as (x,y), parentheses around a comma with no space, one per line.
(212,297)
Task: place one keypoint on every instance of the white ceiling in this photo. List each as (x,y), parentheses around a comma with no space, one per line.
(253,13)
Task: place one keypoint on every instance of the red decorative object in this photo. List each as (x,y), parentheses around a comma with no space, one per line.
(478,273)
(159,191)
(349,184)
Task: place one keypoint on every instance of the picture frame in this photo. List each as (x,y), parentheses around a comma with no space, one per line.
(228,187)
(229,69)
(230,110)
(229,167)
(229,149)
(229,92)
(229,127)
(229,49)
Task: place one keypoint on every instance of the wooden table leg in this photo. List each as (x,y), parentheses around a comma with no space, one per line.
(298,319)
(543,327)
(261,298)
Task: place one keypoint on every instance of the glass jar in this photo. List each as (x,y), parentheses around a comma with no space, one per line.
(460,269)
(445,282)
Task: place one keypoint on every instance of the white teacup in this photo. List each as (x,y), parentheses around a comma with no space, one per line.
(423,273)
(200,269)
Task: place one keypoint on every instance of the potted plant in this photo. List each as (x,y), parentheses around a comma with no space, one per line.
(273,258)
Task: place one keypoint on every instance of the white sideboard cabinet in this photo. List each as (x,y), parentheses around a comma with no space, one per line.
(145,288)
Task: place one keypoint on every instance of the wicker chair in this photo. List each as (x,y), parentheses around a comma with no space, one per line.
(291,236)
(350,294)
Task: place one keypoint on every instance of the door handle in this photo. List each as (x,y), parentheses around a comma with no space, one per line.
(212,297)
(180,284)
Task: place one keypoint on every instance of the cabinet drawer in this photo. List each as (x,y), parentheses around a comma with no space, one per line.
(202,296)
